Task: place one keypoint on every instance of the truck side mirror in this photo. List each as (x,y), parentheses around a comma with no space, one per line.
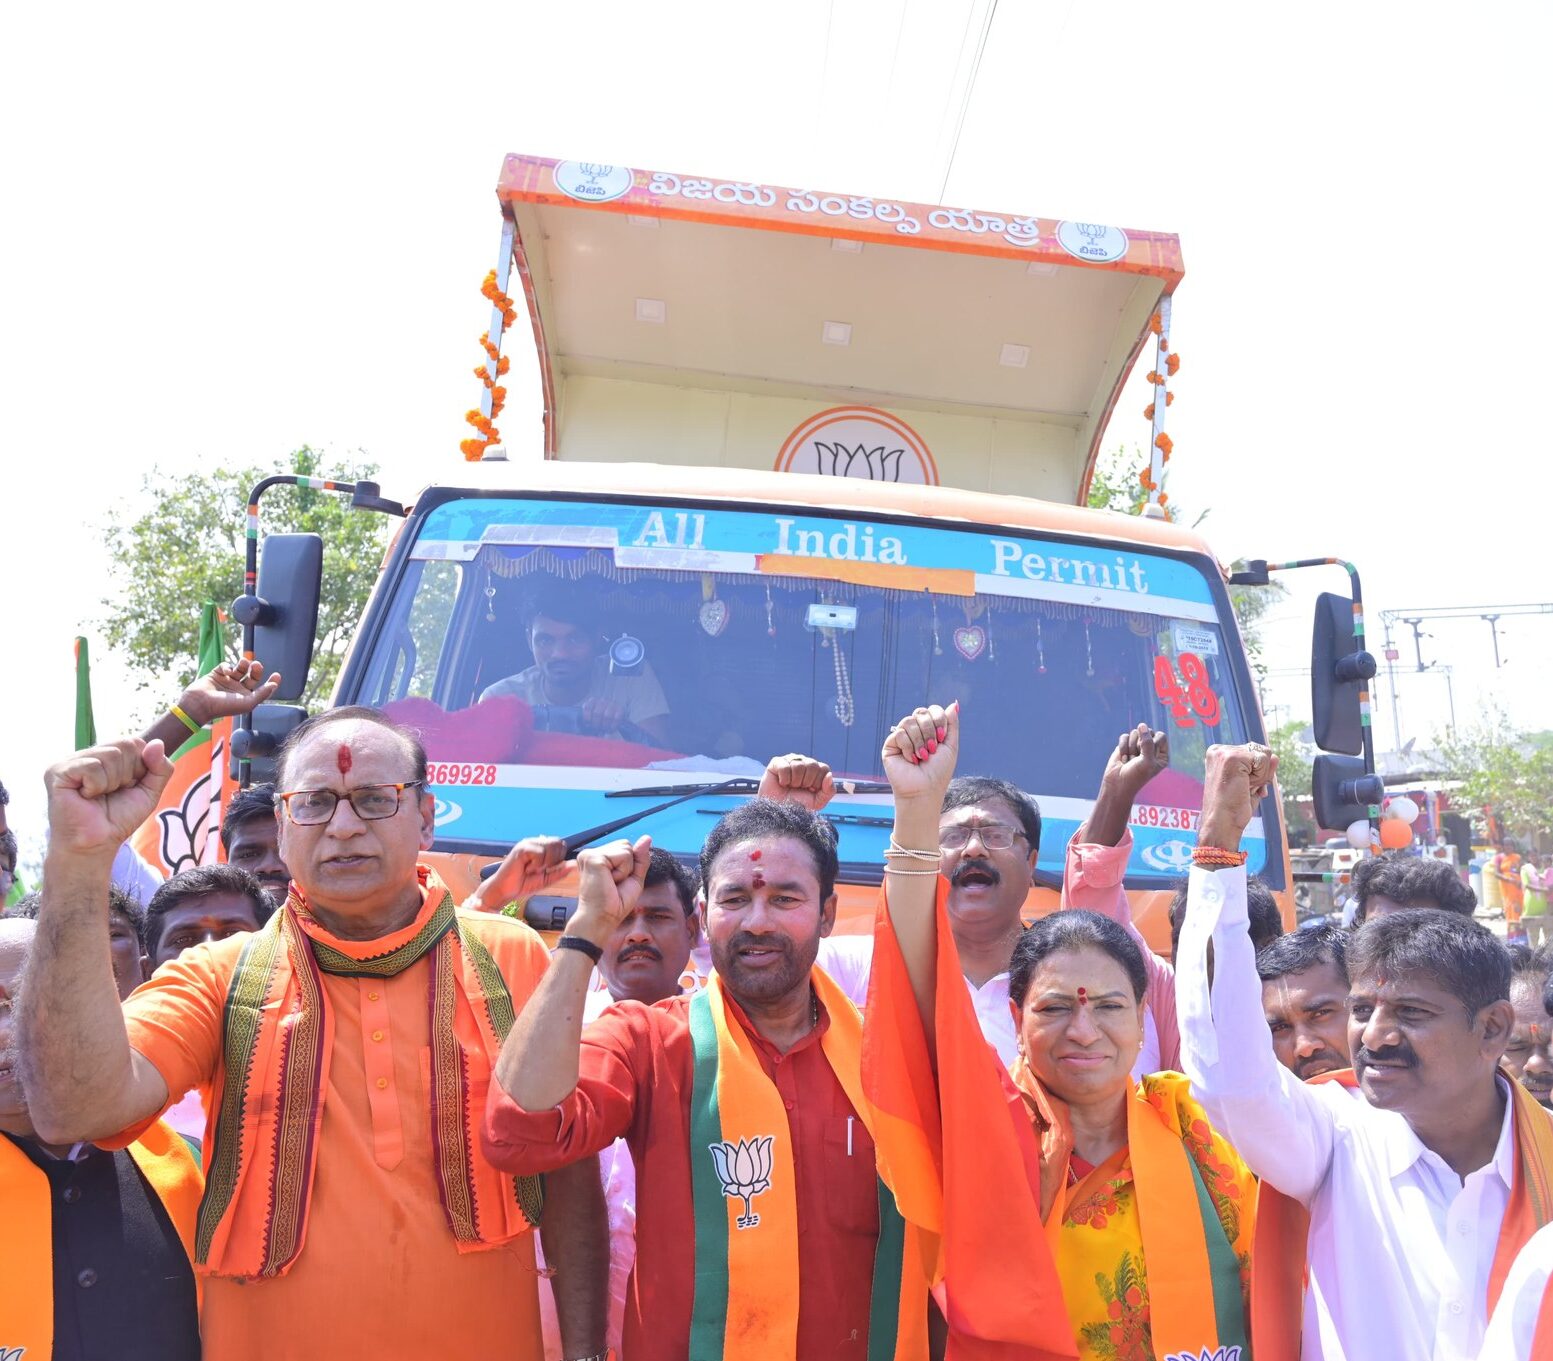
(1342,792)
(272,724)
(1338,671)
(284,612)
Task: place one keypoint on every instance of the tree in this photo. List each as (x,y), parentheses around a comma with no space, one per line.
(1505,770)
(188,548)
(1293,750)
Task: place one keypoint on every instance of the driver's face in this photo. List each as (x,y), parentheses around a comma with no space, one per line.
(563,652)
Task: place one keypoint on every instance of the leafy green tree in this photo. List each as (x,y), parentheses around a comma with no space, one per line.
(1503,769)
(188,548)
(1294,772)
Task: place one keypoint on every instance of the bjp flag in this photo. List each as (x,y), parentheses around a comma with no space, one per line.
(185,830)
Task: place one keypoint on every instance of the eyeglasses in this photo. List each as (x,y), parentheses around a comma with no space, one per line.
(371,803)
(994,836)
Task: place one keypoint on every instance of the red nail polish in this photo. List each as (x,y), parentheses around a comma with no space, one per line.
(921,753)
(943,733)
(932,746)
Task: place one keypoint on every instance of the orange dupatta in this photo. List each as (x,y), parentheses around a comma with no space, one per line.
(277,1037)
(1283,1224)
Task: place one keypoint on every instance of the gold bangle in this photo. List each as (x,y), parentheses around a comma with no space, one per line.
(177,712)
(890,869)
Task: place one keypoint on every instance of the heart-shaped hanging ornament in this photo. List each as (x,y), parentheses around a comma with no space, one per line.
(971,641)
(713,616)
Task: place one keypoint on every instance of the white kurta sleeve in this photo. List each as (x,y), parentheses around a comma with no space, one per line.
(1282,1128)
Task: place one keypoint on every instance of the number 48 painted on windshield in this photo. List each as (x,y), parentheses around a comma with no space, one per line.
(1195,696)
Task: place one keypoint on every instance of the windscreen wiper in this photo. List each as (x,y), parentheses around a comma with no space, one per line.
(738,785)
(846,819)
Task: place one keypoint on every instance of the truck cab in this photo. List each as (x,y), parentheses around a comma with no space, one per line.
(806,461)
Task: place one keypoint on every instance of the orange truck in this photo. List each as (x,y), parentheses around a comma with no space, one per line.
(807,460)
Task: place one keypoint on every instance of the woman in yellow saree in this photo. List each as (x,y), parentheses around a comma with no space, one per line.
(1076,1212)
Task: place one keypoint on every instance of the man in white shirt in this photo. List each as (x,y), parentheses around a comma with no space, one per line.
(572,687)
(1415,1188)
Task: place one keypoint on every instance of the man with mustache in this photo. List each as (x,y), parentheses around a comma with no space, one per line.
(741,1104)
(1529,1057)
(1305,999)
(1411,1201)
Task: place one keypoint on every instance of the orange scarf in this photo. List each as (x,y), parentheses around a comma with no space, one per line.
(1283,1224)
(27,1274)
(278,1035)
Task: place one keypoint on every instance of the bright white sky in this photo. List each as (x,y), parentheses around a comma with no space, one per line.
(234,230)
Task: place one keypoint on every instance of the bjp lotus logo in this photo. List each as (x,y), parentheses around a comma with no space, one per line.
(1230,1353)
(744,1169)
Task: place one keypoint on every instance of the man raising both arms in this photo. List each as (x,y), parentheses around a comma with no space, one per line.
(1420,1194)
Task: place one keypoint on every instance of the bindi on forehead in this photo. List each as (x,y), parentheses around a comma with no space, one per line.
(343,759)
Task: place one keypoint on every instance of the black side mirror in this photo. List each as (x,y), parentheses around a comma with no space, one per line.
(284,612)
(1338,671)
(272,724)
(1341,790)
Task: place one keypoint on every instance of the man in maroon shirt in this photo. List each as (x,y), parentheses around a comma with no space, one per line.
(562,1093)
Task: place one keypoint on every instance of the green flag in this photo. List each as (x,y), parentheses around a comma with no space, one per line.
(209,659)
(85,725)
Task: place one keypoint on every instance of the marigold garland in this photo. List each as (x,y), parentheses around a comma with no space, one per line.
(1172,363)
(474,449)
(1148,411)
(1165,444)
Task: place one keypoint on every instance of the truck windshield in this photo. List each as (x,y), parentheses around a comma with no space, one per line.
(552,652)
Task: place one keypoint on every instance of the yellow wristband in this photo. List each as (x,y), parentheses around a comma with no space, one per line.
(177,712)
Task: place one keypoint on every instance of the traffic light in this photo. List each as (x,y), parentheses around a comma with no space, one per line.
(1338,672)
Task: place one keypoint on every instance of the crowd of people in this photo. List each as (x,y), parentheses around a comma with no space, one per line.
(302,1103)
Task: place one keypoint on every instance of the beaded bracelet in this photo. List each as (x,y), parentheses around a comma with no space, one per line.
(907,853)
(1212,858)
(890,869)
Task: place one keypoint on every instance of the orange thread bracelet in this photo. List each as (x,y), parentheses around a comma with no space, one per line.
(1211,857)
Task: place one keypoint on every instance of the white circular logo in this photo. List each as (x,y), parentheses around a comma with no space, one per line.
(1170,856)
(860,442)
(591,182)
(446,811)
(1092,241)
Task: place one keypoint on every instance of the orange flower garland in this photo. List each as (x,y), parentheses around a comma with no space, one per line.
(474,449)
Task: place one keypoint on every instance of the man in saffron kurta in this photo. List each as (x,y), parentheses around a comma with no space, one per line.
(804,1270)
(348,1209)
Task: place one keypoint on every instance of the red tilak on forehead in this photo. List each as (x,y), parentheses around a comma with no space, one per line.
(343,759)
(755,855)
(1083,997)
(760,880)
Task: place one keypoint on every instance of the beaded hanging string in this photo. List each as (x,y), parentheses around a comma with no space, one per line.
(938,650)
(496,367)
(844,708)
(1040,650)
(1089,650)
(770,620)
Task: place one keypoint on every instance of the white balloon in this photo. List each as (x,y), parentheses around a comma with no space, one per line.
(1403,808)
(1359,834)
